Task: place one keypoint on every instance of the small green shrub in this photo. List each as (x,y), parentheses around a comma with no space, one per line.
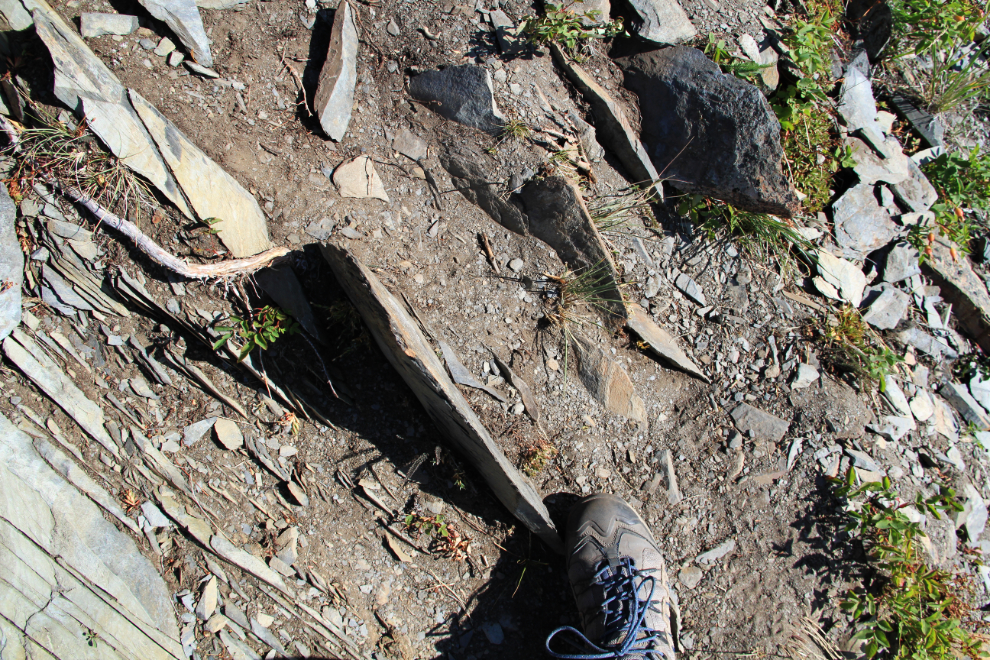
(853,345)
(562,25)
(810,43)
(923,25)
(266,325)
(730,64)
(910,610)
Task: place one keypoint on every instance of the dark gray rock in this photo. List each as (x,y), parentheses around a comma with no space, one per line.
(461,93)
(901,263)
(474,175)
(963,287)
(860,223)
(11,266)
(661,21)
(930,128)
(710,133)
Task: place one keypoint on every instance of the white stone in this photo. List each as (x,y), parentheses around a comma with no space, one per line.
(848,280)
(921,406)
(358,178)
(805,376)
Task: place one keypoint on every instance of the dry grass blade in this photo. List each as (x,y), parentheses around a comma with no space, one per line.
(809,643)
(628,204)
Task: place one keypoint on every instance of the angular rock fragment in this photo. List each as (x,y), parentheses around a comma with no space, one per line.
(921,406)
(525,393)
(847,279)
(961,286)
(902,263)
(607,381)
(358,178)
(661,21)
(759,424)
(870,168)
(194,432)
(460,93)
(980,389)
(461,375)
(860,223)
(212,192)
(925,343)
(334,97)
(690,288)
(11,266)
(964,403)
(974,514)
(93,25)
(887,309)
(915,192)
(716,553)
(228,434)
(611,122)
(409,145)
(182,17)
(804,377)
(856,103)
(711,133)
(404,345)
(661,342)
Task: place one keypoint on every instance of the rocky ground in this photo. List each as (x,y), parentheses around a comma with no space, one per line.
(726,466)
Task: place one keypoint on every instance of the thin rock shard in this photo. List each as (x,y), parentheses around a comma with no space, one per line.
(405,347)
(182,16)
(334,98)
(661,342)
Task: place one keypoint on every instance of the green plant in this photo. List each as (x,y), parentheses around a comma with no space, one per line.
(263,327)
(763,235)
(971,365)
(560,24)
(535,456)
(957,78)
(730,64)
(911,610)
(920,26)
(429,525)
(514,129)
(810,44)
(963,180)
(856,346)
(812,157)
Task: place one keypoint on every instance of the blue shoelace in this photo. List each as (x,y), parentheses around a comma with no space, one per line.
(624,617)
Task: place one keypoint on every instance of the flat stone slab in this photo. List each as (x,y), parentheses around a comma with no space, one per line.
(759,424)
(661,342)
(915,192)
(959,398)
(212,192)
(85,84)
(887,309)
(93,25)
(716,553)
(228,434)
(48,376)
(902,262)
(461,93)
(961,286)
(11,266)
(406,348)
(334,98)
(871,168)
(690,288)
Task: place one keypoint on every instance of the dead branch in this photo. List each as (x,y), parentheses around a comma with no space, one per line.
(298,79)
(144,243)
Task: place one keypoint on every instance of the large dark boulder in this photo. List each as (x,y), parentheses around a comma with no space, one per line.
(461,93)
(709,133)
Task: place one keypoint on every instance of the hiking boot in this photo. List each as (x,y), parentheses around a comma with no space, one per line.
(619,580)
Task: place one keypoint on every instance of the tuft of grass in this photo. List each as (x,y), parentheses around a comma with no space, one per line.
(514,129)
(567,297)
(73,155)
(536,455)
(957,79)
(855,346)
(909,610)
(632,203)
(764,236)
(561,25)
